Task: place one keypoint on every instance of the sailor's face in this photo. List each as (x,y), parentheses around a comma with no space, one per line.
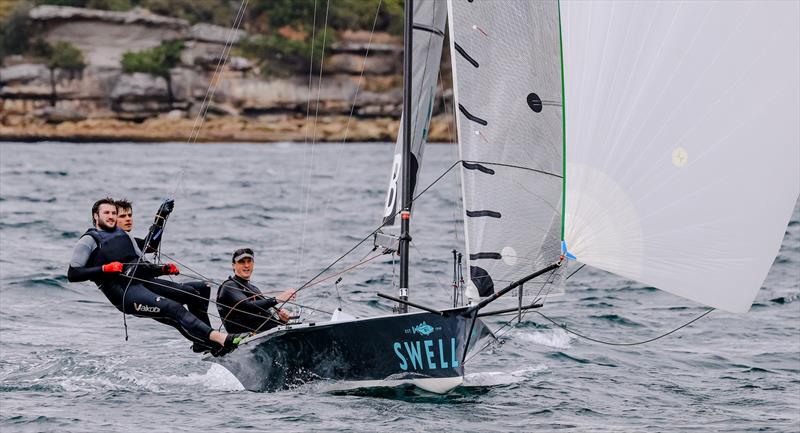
(244,268)
(125,219)
(106,216)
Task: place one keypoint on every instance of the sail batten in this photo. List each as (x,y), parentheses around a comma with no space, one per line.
(507,89)
(654,140)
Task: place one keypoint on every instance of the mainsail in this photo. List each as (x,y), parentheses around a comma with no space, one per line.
(429,22)
(673,155)
(507,85)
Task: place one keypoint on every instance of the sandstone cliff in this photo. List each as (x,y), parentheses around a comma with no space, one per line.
(103,103)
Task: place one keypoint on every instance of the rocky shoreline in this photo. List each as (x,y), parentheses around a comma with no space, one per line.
(357,98)
(267,128)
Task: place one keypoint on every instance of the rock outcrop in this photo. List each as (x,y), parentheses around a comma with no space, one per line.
(104,36)
(101,102)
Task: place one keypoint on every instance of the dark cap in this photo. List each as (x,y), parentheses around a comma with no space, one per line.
(242,253)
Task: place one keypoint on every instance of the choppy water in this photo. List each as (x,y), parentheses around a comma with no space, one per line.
(65,366)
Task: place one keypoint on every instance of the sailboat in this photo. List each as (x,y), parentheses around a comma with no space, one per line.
(658,141)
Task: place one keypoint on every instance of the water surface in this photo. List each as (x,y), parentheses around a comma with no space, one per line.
(65,364)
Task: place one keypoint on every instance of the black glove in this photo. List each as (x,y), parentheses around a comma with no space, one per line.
(163,213)
(165,209)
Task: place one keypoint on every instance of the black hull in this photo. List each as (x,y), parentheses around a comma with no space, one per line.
(388,349)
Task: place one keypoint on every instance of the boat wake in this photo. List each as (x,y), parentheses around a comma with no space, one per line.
(555,338)
(475,385)
(501,378)
(217,378)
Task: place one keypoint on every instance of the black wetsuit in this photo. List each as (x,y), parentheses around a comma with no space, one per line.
(194,294)
(155,298)
(243,308)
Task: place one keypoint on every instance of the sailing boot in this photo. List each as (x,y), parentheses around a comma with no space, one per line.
(201,347)
(231,342)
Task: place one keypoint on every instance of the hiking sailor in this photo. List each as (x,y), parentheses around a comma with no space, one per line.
(194,294)
(125,222)
(106,256)
(242,306)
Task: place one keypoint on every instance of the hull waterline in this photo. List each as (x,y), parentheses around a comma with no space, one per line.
(423,349)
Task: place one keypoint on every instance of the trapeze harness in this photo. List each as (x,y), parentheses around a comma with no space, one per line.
(137,292)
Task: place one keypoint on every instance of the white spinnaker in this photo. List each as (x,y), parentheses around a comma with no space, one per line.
(682,141)
(507,85)
(429,22)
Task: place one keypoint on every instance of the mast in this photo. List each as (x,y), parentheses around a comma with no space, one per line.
(405,214)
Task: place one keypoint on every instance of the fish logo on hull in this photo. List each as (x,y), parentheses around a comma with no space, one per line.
(428,353)
(422,329)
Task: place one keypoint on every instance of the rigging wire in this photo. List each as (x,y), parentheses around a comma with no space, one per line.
(361,75)
(329,199)
(456,156)
(301,249)
(215,78)
(372,233)
(200,117)
(444,285)
(148,281)
(516,316)
(311,70)
(576,271)
(348,269)
(339,153)
(305,138)
(139,260)
(597,340)
(612,343)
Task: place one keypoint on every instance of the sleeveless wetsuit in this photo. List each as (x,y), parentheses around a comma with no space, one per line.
(157,299)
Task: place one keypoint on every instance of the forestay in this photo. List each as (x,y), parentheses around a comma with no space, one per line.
(682,141)
(429,23)
(507,84)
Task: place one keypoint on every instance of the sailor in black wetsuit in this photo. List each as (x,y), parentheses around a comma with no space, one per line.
(195,295)
(106,255)
(242,306)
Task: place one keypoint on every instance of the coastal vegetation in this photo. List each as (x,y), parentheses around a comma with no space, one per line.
(155,61)
(280,30)
(15,31)
(60,55)
(139,69)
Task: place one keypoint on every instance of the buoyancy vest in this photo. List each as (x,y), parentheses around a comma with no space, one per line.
(115,246)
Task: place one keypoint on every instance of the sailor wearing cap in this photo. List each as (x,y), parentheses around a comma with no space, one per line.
(241,305)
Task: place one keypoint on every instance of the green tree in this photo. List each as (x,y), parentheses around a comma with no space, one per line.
(343,14)
(276,54)
(66,56)
(155,61)
(15,31)
(61,55)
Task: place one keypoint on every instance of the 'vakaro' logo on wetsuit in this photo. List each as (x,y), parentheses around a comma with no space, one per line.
(145,308)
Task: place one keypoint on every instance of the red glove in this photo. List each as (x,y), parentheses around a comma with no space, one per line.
(170,269)
(112,267)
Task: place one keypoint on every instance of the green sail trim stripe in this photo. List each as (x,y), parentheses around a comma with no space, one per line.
(563,128)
